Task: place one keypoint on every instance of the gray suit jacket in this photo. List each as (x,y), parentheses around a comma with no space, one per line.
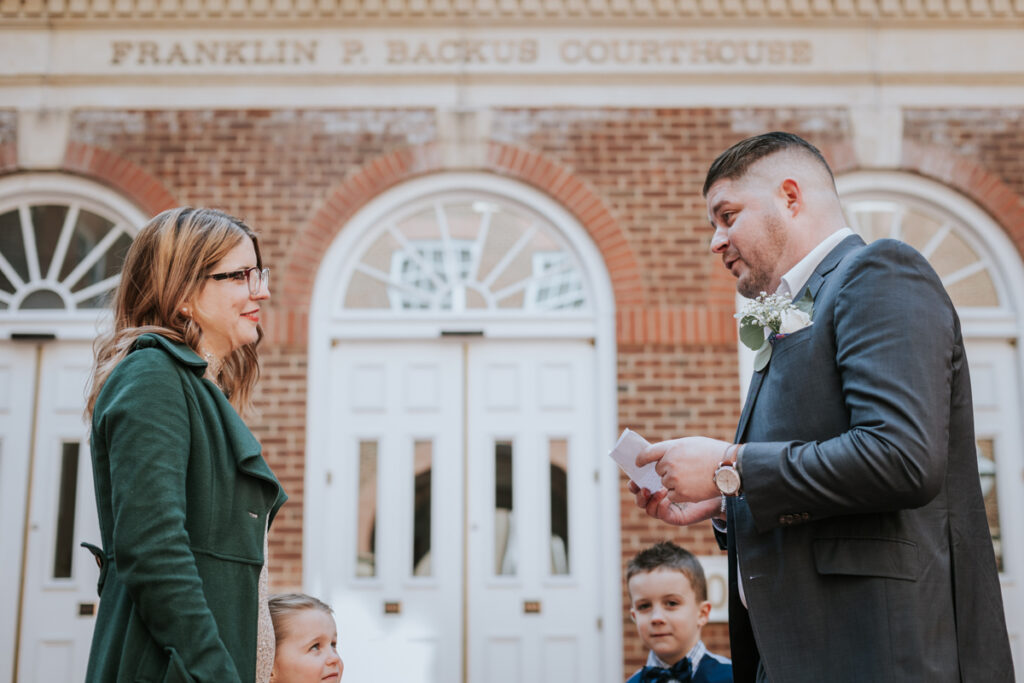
(861,533)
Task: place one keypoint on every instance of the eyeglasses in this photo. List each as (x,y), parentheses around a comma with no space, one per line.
(254,277)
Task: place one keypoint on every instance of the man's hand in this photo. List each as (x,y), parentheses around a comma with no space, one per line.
(660,507)
(686,467)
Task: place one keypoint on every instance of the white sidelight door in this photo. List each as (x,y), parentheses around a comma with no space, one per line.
(49,459)
(997,410)
(462,486)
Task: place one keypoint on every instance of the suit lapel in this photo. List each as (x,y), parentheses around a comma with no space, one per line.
(814,283)
(748,406)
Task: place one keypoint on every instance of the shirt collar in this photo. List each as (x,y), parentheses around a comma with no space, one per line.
(793,281)
(693,655)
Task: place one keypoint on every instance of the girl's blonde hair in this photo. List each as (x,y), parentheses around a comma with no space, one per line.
(284,605)
(166,266)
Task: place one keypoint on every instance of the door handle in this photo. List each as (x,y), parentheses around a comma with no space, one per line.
(392,607)
(531,606)
(86,609)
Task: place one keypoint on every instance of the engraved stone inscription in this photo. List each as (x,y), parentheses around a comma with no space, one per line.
(213,52)
(462,52)
(392,54)
(696,52)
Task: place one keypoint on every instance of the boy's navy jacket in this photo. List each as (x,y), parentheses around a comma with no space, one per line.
(710,670)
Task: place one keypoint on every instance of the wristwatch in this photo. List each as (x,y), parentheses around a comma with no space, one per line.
(727,477)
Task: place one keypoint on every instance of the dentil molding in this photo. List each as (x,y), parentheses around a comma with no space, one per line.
(604,12)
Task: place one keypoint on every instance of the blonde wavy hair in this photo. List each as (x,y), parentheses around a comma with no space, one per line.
(166,266)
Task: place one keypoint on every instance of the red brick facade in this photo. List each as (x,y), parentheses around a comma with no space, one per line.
(632,177)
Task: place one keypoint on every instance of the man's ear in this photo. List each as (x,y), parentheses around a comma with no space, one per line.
(704,614)
(792,196)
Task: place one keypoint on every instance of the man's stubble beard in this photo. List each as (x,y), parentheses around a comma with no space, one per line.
(761,264)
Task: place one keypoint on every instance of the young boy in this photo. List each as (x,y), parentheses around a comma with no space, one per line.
(668,597)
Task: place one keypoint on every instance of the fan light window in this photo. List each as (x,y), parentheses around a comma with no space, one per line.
(58,257)
(455,254)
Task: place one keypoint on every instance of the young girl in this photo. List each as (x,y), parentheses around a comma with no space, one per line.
(307,640)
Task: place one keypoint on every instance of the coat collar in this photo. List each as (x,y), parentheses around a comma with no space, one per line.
(828,264)
(245,446)
(180,352)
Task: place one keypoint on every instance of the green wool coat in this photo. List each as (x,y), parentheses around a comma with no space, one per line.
(184,497)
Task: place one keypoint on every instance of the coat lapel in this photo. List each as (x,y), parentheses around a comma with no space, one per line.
(814,283)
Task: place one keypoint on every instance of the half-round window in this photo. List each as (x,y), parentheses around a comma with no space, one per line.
(975,260)
(938,235)
(457,253)
(61,245)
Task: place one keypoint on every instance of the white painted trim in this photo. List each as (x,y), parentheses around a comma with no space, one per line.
(469,93)
(29,188)
(325,325)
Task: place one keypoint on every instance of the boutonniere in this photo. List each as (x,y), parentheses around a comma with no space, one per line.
(771,317)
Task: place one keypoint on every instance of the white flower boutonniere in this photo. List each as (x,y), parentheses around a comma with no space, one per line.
(771,317)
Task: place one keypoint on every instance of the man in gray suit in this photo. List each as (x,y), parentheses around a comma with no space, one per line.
(858,544)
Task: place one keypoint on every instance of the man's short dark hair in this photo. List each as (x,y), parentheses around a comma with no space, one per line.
(734,162)
(667,555)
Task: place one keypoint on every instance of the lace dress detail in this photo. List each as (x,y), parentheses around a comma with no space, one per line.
(265,641)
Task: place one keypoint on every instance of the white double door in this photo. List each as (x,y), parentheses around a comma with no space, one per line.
(464,497)
(47,507)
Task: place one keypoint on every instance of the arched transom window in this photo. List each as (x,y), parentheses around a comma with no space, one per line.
(940,236)
(458,253)
(61,251)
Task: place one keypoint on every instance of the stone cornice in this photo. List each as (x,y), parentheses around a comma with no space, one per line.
(911,13)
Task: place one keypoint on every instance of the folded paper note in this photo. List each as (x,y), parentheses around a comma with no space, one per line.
(630,445)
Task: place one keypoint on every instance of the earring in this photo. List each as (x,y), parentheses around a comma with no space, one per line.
(184,311)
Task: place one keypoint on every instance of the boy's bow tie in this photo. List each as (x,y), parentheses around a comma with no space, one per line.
(680,671)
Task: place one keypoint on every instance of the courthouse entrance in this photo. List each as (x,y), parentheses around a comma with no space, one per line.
(464,499)
(460,515)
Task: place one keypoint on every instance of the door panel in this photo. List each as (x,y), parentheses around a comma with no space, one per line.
(17,394)
(396,494)
(532,493)
(60,577)
(997,410)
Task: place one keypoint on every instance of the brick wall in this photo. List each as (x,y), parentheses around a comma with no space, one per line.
(979,152)
(993,138)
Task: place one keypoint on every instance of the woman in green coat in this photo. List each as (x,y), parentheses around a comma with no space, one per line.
(184,496)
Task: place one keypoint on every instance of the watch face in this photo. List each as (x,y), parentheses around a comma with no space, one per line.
(728,480)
